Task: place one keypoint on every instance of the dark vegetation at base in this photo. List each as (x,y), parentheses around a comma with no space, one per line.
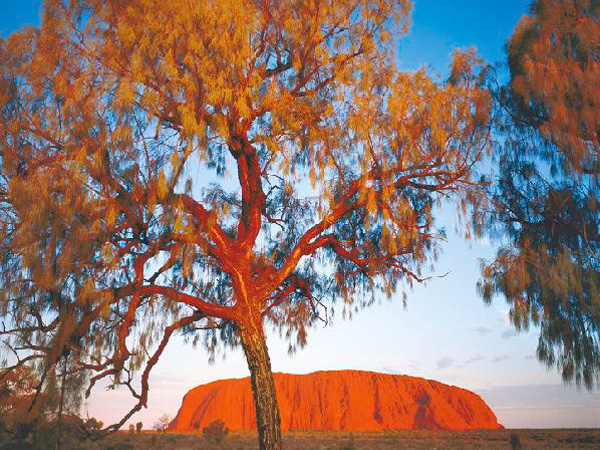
(415,439)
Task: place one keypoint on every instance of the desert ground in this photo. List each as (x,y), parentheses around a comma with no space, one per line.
(502,439)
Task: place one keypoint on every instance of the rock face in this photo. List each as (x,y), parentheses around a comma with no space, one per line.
(347,400)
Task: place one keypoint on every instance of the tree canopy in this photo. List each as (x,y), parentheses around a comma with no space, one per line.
(201,167)
(546,199)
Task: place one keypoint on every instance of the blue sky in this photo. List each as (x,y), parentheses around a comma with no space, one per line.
(446,333)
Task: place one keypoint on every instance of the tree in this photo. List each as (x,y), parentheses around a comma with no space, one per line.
(93,427)
(186,167)
(162,423)
(17,389)
(49,423)
(546,199)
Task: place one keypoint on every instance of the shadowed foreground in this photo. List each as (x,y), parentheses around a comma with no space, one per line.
(414,439)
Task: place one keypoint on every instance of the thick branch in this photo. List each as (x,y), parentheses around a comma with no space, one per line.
(253,197)
(207,308)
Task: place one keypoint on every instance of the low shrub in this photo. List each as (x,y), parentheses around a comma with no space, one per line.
(215,432)
(515,441)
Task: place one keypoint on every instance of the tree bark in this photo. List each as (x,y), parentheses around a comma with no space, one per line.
(268,420)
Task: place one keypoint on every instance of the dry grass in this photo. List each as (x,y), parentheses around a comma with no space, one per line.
(529,439)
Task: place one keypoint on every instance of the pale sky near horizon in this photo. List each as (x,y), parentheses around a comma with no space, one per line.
(446,333)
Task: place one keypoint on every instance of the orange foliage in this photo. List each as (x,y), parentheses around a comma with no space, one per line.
(554,59)
(177,166)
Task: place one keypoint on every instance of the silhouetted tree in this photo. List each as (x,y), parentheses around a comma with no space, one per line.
(162,423)
(177,167)
(546,199)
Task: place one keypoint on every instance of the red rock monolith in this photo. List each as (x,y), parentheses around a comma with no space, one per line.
(348,400)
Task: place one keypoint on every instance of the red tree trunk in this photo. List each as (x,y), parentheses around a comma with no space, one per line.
(268,420)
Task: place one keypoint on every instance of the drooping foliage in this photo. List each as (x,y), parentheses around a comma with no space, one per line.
(198,167)
(547,195)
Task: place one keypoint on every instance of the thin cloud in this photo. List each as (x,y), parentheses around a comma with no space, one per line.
(388,369)
(510,333)
(414,364)
(172,381)
(444,363)
(473,359)
(543,406)
(481,329)
(498,359)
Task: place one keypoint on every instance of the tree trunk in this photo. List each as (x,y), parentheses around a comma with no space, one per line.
(268,421)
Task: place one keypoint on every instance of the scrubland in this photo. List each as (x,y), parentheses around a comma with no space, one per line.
(296,440)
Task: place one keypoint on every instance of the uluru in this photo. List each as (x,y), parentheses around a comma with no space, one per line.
(346,400)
